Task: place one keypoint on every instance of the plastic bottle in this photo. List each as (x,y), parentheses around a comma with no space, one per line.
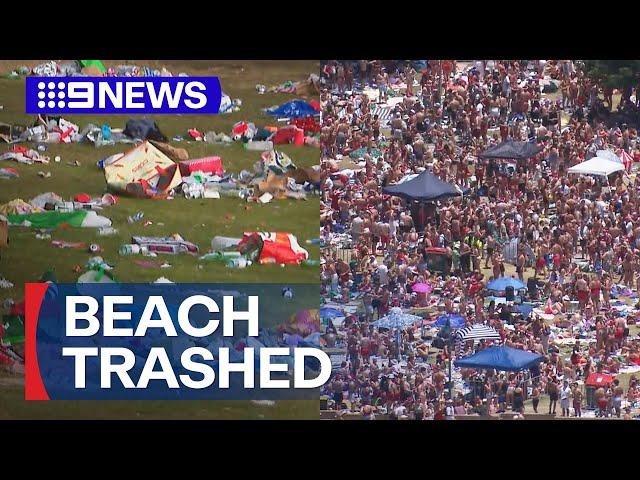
(65,207)
(310,263)
(238,262)
(220,256)
(313,241)
(231,192)
(222,243)
(129,249)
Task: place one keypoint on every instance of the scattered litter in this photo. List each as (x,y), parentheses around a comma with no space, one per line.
(129,249)
(163,280)
(95,248)
(9,172)
(5,283)
(57,159)
(42,174)
(107,231)
(171,245)
(97,271)
(238,262)
(65,244)
(135,217)
(222,243)
(220,256)
(265,197)
(264,403)
(147,264)
(24,155)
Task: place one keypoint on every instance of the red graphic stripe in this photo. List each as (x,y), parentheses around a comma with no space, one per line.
(34,388)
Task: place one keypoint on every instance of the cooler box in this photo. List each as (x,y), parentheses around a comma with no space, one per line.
(212,165)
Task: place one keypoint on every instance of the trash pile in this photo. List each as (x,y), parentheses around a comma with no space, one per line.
(97,271)
(309,87)
(49,211)
(257,247)
(88,68)
(274,176)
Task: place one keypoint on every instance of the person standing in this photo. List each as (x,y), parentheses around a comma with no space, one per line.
(552,388)
(535,398)
(565,393)
(577,400)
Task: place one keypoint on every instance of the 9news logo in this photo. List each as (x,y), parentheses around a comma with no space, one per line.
(117,95)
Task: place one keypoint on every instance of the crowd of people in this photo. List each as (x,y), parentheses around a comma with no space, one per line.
(575,239)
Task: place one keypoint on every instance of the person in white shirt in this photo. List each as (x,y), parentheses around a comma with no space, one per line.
(356,228)
(450,413)
(383,274)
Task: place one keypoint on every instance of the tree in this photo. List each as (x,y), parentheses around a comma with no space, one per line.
(620,74)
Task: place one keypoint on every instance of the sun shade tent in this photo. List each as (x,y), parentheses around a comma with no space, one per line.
(455,321)
(143,171)
(500,284)
(597,166)
(501,358)
(426,187)
(511,150)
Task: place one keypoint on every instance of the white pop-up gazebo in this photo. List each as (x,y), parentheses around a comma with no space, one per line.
(597,166)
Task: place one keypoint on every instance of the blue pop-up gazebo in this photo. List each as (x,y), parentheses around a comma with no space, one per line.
(455,320)
(501,358)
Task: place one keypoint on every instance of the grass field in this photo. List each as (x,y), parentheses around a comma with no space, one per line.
(196,220)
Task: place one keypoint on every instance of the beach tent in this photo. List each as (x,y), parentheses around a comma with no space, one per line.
(512,150)
(143,171)
(477,331)
(597,166)
(501,358)
(502,283)
(425,187)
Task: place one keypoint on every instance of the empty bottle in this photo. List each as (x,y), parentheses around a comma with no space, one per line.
(129,249)
(310,263)
(222,243)
(238,262)
(220,256)
(65,207)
